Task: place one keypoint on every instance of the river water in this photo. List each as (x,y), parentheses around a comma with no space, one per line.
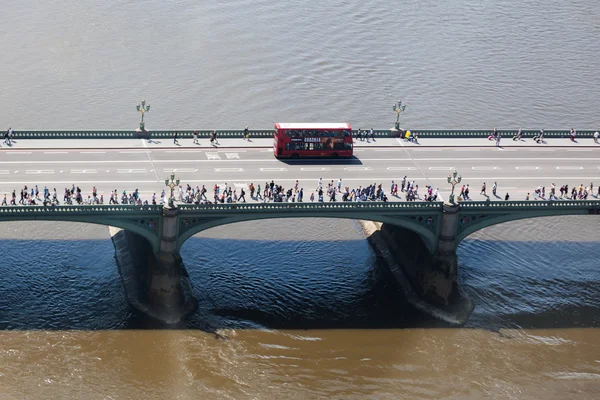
(301,309)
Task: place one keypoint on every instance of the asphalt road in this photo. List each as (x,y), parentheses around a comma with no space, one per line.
(516,170)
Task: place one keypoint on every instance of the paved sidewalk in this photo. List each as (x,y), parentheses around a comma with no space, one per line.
(268,143)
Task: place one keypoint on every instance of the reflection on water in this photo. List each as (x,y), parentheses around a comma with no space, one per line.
(289,300)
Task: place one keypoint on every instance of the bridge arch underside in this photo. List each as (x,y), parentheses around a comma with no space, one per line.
(191,225)
(140,226)
(479,221)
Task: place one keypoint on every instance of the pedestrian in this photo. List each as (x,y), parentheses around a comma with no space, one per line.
(372,134)
(403,184)
(312,197)
(242,195)
(494,189)
(339,185)
(518,135)
(246,133)
(175,141)
(527,197)
(498,136)
(483,187)
(596,136)
(572,135)
(506,197)
(195,135)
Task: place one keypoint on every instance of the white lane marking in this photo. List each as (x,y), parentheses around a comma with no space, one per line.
(131,171)
(92,152)
(136,152)
(213,156)
(183,151)
(464,149)
(232,156)
(228,151)
(61,171)
(400,142)
(181,170)
(401,168)
(229,169)
(484,168)
(18,152)
(220,180)
(541,149)
(108,170)
(441,168)
(4,172)
(83,171)
(315,169)
(273,169)
(569,168)
(39,171)
(358,169)
(56,152)
(579,150)
(527,168)
(273,160)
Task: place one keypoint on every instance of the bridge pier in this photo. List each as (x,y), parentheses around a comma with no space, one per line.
(156,284)
(428,277)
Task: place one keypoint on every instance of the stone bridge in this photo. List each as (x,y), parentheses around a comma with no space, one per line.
(425,234)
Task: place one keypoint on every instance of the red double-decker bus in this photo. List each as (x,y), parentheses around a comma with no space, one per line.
(312,140)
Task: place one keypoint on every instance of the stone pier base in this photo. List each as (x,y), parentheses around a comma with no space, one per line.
(429,282)
(155,284)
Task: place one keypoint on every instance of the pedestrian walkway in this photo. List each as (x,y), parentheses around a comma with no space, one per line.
(204,143)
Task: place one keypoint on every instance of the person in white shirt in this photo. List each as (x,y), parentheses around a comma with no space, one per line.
(596,135)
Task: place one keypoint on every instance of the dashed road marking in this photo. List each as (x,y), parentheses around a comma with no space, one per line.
(273,169)
(84,171)
(131,171)
(92,152)
(4,172)
(56,152)
(484,168)
(441,168)
(17,152)
(358,169)
(182,170)
(39,171)
(136,152)
(568,168)
(231,156)
(229,169)
(401,168)
(527,168)
(213,156)
(315,169)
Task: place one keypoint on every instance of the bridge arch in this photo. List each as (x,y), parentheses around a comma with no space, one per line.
(190,226)
(142,221)
(471,220)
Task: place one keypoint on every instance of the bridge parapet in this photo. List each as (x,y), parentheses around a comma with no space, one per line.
(337,206)
(268,133)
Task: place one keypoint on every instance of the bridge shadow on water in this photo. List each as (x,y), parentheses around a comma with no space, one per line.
(304,284)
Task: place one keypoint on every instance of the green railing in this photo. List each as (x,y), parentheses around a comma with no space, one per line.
(530,204)
(79,209)
(337,206)
(267,133)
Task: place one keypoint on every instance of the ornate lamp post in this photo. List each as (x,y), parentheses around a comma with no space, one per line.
(172,185)
(143,108)
(398,107)
(454,180)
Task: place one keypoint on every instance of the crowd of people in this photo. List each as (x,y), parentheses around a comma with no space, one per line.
(329,191)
